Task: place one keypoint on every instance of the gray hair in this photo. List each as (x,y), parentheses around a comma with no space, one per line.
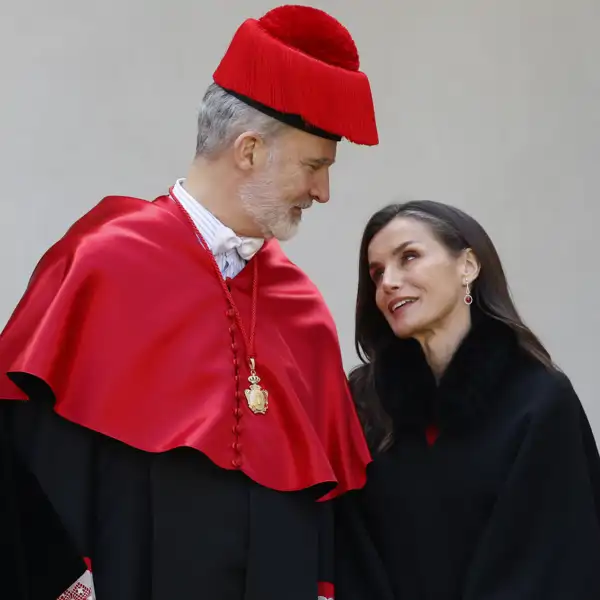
(222,118)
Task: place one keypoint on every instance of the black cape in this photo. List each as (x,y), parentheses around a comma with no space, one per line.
(506,502)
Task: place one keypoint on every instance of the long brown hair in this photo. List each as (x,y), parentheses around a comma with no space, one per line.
(457,231)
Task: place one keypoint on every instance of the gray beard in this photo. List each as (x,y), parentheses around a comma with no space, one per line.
(266,208)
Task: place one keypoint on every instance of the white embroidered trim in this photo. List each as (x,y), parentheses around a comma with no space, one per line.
(82,589)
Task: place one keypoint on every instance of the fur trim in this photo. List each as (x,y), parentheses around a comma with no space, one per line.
(413,399)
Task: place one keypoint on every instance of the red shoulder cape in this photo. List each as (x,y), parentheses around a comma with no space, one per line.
(125,320)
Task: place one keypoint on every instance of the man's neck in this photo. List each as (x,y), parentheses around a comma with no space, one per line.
(216,190)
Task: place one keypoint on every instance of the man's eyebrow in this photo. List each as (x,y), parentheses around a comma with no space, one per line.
(321,162)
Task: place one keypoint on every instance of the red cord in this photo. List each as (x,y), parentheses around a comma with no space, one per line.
(248,340)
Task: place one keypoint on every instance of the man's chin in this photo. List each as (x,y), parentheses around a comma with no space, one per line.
(284,234)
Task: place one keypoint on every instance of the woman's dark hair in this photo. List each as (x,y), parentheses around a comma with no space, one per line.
(457,231)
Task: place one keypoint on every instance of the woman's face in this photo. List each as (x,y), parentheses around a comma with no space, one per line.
(420,285)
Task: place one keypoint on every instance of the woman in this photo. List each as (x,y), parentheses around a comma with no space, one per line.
(485,483)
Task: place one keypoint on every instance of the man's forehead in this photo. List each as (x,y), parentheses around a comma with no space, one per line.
(311,146)
(321,152)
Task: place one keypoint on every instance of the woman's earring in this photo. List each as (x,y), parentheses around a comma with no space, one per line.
(468,297)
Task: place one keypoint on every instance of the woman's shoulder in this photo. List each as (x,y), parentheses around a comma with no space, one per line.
(544,390)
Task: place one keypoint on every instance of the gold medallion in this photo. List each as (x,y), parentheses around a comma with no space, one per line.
(257,398)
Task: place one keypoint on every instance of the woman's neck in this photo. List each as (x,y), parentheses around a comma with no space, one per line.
(440,344)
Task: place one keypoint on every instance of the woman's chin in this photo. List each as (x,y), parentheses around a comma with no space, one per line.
(404,331)
(410,328)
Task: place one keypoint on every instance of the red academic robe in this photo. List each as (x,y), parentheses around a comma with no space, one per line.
(126,322)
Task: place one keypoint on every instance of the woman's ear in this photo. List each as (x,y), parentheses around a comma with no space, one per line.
(471,266)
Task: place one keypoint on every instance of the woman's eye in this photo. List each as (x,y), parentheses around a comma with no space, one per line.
(409,255)
(376,275)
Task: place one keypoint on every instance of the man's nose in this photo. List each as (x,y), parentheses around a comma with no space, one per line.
(320,191)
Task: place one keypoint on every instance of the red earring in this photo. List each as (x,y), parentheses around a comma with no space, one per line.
(468,297)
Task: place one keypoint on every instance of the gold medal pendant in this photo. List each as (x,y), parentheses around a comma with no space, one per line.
(257,398)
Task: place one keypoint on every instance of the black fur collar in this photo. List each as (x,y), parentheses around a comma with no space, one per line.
(408,390)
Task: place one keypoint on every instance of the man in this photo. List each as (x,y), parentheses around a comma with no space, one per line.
(176,410)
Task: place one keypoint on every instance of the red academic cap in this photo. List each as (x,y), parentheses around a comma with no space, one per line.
(301,66)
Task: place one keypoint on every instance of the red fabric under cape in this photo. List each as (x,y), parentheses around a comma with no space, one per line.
(126,321)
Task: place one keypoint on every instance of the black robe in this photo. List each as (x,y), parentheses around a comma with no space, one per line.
(156,526)
(505,504)
(38,560)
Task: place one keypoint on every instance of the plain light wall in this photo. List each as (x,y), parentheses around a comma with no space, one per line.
(493,106)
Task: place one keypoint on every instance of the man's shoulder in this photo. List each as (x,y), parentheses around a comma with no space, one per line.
(113,216)
(295,288)
(283,266)
(112,226)
(118,233)
(284,270)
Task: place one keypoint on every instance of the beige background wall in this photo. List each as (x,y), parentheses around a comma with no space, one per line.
(491,105)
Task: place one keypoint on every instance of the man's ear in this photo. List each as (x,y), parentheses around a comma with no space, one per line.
(248,150)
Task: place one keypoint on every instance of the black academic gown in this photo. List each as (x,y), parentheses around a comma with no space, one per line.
(505,504)
(156,526)
(38,559)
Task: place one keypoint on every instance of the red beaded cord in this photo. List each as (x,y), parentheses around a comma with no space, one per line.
(248,340)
